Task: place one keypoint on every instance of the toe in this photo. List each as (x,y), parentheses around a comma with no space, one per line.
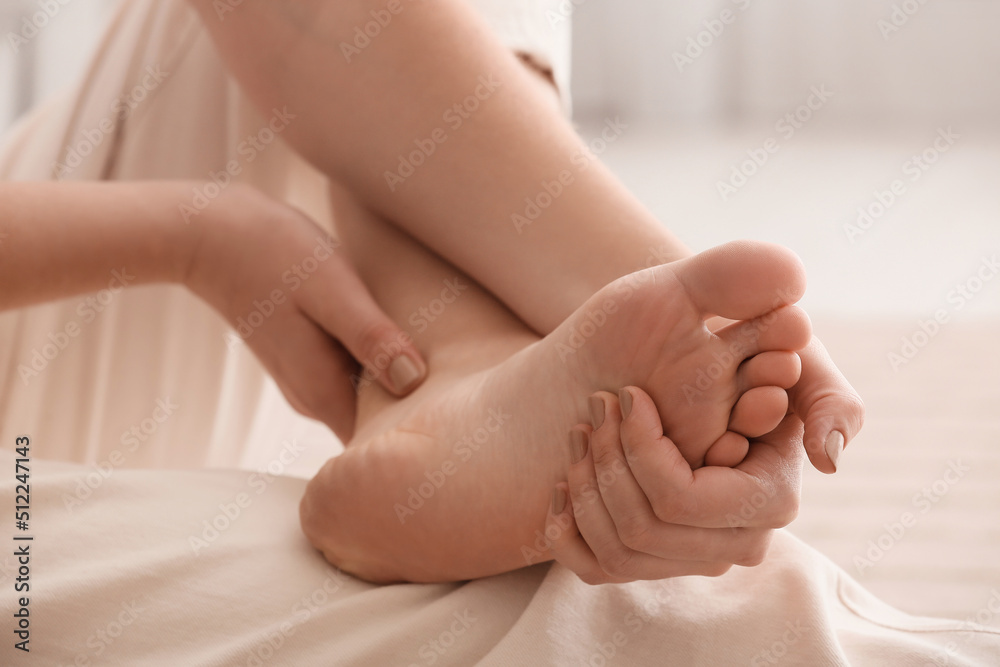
(775,368)
(728,451)
(743,279)
(759,411)
(786,329)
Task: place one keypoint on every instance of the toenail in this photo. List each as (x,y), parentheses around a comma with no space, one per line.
(625,399)
(578,444)
(596,411)
(834,446)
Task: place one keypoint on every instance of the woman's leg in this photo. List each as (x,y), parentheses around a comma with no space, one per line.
(452,481)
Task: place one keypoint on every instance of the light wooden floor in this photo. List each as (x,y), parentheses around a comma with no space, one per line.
(941,411)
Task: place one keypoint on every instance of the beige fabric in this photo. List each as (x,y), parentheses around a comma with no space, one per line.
(119,577)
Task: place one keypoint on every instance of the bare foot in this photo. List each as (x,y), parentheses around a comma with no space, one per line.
(469,472)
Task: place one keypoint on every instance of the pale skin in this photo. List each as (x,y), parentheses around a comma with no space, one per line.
(290,57)
(460,202)
(455,481)
(80,232)
(244,242)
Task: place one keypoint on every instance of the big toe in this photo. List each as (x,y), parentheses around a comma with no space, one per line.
(742,280)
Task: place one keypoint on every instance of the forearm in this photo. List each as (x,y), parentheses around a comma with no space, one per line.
(357,115)
(62,239)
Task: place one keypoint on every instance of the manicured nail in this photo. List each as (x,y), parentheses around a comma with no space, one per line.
(596,411)
(625,400)
(834,446)
(578,444)
(558,501)
(403,374)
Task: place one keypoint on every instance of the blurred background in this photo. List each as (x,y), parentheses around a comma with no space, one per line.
(865,135)
(702,87)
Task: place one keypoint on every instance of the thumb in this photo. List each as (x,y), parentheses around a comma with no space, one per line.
(345,308)
(832,410)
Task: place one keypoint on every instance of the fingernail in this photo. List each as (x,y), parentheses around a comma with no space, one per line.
(558,501)
(625,400)
(578,444)
(403,373)
(596,411)
(834,446)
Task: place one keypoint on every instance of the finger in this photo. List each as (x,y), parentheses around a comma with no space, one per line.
(759,411)
(622,496)
(637,527)
(598,530)
(566,544)
(832,410)
(715,497)
(312,370)
(344,307)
